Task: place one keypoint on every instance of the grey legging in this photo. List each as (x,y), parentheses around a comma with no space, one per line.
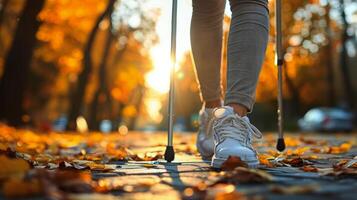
(248,37)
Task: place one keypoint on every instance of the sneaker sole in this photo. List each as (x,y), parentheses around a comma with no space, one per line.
(217,162)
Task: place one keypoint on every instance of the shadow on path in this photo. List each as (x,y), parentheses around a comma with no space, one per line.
(173,172)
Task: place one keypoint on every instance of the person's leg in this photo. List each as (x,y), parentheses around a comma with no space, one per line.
(206,42)
(248,38)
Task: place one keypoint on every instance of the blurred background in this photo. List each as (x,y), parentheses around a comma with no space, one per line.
(104,66)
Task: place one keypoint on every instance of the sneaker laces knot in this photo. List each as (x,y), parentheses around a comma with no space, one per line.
(235,127)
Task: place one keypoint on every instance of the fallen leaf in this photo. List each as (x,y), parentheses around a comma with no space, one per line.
(264,160)
(232,162)
(308,140)
(119,153)
(343,148)
(352,163)
(349,172)
(245,175)
(149,165)
(149,156)
(100,167)
(346,163)
(296,189)
(52,166)
(300,151)
(64,164)
(309,168)
(16,188)
(294,162)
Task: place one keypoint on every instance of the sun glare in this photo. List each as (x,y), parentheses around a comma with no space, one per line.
(159,78)
(154,106)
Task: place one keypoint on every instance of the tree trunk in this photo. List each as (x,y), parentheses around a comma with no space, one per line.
(17,64)
(344,59)
(78,95)
(4,4)
(137,104)
(329,60)
(102,90)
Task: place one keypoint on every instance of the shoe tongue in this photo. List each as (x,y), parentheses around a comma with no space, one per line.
(223,111)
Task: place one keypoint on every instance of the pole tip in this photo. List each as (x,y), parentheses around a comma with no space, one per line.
(280,146)
(169,153)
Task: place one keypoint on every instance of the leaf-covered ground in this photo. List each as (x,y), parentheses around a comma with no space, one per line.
(113,166)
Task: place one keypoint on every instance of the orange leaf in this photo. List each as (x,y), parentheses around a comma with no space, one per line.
(15,188)
(232,162)
(309,168)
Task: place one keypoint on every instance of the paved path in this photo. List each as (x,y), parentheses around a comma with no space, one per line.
(188,171)
(330,157)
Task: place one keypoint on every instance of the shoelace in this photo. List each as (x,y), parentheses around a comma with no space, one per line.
(235,127)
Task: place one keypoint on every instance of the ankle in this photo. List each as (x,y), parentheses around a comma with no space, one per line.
(213,104)
(239,109)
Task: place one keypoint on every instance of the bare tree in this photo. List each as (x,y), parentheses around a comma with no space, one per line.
(344,58)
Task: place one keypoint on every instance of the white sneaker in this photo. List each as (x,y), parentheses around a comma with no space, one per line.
(204,141)
(233,137)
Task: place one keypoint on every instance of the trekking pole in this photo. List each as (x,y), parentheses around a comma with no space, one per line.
(169,152)
(280,146)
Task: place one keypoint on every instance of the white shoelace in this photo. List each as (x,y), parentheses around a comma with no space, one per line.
(235,127)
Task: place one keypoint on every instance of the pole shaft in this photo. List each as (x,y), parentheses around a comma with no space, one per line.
(172,73)
(279,61)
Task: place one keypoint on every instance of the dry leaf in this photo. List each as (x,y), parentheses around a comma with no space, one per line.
(245,175)
(232,162)
(15,188)
(64,164)
(147,165)
(345,163)
(294,162)
(264,160)
(352,163)
(338,171)
(100,167)
(296,189)
(343,148)
(149,156)
(309,168)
